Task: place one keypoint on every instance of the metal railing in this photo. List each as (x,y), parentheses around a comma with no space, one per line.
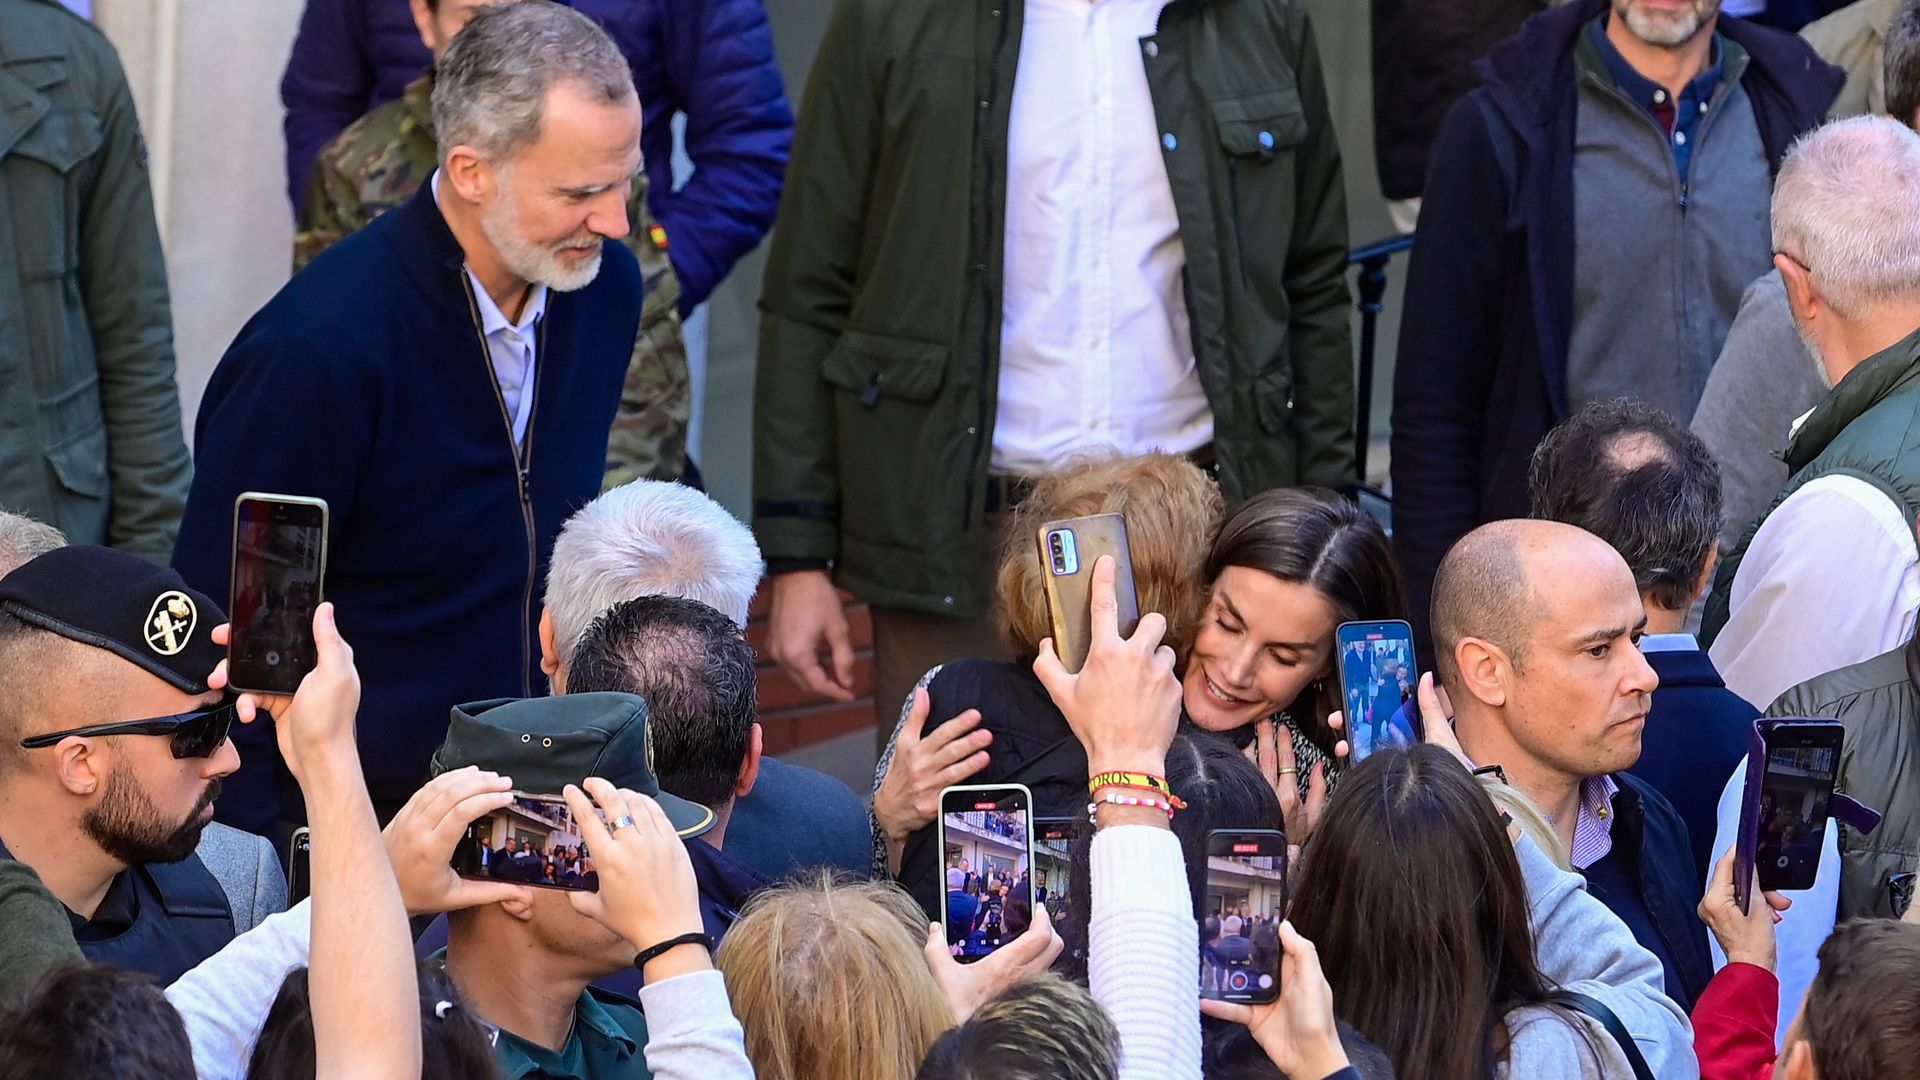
(1372,260)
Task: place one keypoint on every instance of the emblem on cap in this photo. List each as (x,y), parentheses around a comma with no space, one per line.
(171,621)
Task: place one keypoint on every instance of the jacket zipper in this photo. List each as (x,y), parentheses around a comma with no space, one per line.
(989,309)
(523,466)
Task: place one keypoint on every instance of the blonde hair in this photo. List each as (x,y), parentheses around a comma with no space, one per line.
(828,979)
(1172,509)
(1526,815)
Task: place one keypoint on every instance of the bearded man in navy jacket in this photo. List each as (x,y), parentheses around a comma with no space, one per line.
(445,379)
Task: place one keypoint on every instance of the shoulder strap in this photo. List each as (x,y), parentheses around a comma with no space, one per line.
(1597,1010)
(1505,155)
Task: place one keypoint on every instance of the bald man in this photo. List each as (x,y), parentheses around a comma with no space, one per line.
(1536,630)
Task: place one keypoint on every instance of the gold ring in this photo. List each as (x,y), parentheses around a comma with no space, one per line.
(1287,770)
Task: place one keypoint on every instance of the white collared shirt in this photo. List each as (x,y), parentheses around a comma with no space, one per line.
(510,345)
(1095,347)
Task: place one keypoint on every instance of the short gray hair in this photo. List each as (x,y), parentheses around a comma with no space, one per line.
(1900,63)
(648,538)
(490,91)
(1847,207)
(23,539)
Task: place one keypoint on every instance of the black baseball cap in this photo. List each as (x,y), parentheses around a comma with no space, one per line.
(140,612)
(546,743)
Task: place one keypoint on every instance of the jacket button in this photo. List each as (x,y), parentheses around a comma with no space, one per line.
(1266,140)
(983,103)
(947,600)
(1153,49)
(971,430)
(1167,140)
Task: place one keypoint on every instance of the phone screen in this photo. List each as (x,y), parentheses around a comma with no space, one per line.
(1053,862)
(1240,924)
(299,866)
(1377,676)
(279,560)
(1802,760)
(531,841)
(987,840)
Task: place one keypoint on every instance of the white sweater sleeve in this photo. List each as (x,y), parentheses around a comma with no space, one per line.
(224,1001)
(1144,951)
(691,1030)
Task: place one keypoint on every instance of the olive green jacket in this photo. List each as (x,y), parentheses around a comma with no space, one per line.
(90,437)
(881,313)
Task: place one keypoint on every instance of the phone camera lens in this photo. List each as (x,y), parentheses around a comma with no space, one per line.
(273,658)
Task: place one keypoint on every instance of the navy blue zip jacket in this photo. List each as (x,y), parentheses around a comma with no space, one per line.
(711,60)
(366,382)
(1481,374)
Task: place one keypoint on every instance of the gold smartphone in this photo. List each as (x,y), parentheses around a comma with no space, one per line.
(1068,550)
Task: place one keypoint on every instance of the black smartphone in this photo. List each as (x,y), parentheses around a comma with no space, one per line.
(1377,676)
(1791,767)
(986,841)
(1053,839)
(299,866)
(532,840)
(279,567)
(1240,926)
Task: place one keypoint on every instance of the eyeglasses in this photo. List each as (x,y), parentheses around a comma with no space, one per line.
(196,734)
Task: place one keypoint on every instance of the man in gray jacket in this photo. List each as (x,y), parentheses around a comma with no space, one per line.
(90,436)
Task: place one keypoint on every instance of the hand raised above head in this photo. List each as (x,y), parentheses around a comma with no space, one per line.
(1124,704)
(318,719)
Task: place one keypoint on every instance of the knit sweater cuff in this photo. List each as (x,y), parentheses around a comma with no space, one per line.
(1140,866)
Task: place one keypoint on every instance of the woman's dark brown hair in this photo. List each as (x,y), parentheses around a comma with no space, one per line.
(1412,893)
(1315,537)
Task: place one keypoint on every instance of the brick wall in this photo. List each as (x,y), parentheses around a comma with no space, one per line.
(790,716)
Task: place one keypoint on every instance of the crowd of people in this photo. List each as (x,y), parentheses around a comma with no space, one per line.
(1654,475)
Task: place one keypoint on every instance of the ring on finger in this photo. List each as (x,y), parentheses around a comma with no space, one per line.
(621,822)
(1287,770)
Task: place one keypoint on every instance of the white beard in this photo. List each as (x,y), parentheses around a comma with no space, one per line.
(533,262)
(1666,31)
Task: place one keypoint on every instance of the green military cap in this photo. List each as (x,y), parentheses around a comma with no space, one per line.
(546,743)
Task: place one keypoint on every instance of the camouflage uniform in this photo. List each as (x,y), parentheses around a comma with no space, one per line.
(381,159)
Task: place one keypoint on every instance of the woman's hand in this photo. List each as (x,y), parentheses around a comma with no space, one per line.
(1124,704)
(1436,718)
(648,893)
(969,986)
(1272,751)
(908,798)
(1297,1030)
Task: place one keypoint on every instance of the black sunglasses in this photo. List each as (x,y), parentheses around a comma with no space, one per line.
(195,734)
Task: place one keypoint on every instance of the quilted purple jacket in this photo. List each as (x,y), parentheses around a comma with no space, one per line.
(709,59)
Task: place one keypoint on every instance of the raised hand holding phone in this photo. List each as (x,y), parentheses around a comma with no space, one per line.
(1124,704)
(316,723)
(648,893)
(421,839)
(968,986)
(1745,936)
(1297,1031)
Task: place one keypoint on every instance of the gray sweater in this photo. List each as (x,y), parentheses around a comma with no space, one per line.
(1585,948)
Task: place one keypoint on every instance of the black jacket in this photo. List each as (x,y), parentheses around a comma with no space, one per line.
(1483,342)
(1696,736)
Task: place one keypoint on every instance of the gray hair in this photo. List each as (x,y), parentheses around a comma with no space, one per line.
(1847,207)
(23,539)
(648,538)
(1900,63)
(490,91)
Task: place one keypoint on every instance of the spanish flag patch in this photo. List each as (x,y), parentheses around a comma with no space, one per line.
(658,234)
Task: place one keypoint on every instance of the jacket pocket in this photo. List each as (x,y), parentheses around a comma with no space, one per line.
(80,462)
(874,367)
(1273,399)
(1256,125)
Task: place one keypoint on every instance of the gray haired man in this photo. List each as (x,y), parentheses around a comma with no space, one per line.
(445,379)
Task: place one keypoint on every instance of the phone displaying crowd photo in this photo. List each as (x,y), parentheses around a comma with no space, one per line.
(279,564)
(986,839)
(531,841)
(1246,899)
(1053,839)
(299,866)
(1068,550)
(1377,676)
(1791,768)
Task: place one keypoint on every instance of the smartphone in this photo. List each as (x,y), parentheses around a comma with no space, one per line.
(279,566)
(1053,839)
(1240,925)
(532,840)
(1068,550)
(1791,767)
(986,843)
(299,866)
(1378,675)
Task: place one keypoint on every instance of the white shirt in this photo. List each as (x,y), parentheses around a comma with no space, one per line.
(1803,926)
(1095,347)
(1832,578)
(510,345)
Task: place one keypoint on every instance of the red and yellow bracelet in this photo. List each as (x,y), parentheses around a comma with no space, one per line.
(1129,779)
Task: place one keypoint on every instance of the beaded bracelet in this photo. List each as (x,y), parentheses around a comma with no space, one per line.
(1129,779)
(1093,808)
(1159,793)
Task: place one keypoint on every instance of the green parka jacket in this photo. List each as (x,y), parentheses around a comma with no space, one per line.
(90,436)
(880,331)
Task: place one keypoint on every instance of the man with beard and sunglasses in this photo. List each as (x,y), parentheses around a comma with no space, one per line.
(445,379)
(112,747)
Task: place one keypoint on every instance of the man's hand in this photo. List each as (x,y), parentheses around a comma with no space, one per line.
(1746,937)
(315,725)
(969,986)
(1297,1031)
(805,614)
(422,836)
(909,795)
(1124,705)
(648,893)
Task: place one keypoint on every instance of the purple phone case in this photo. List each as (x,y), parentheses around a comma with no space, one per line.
(1746,847)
